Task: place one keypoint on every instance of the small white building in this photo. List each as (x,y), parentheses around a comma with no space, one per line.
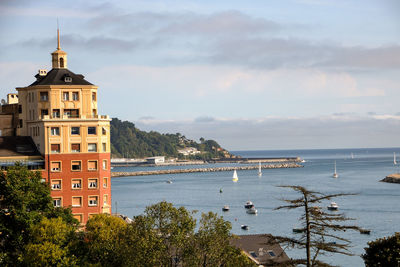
(188,151)
(156,160)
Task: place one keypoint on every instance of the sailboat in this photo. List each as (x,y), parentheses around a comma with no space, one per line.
(352,156)
(335,175)
(235,177)
(394,158)
(259,169)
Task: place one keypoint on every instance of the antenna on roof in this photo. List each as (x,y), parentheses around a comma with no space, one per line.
(58,37)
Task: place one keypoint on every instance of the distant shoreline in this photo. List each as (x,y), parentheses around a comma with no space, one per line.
(214,169)
(393,178)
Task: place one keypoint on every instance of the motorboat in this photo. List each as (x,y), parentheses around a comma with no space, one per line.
(298,230)
(169,181)
(333,206)
(365,231)
(244,227)
(225,208)
(252,210)
(249,205)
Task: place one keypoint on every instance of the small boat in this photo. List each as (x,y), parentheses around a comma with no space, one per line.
(259,169)
(220,190)
(394,158)
(298,230)
(303,161)
(335,175)
(244,227)
(365,231)
(169,181)
(249,205)
(225,208)
(333,206)
(235,177)
(252,210)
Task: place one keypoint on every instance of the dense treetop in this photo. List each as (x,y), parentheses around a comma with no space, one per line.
(128,141)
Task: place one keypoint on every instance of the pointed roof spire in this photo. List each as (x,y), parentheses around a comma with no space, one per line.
(58,37)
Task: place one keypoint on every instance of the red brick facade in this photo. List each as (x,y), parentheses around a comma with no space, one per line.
(93,194)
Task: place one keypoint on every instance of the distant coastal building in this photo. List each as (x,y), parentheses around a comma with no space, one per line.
(155,160)
(187,151)
(56,119)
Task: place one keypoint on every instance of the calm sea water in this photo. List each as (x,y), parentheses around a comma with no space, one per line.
(376,205)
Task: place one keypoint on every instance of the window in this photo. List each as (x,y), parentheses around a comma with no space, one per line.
(44,112)
(103,131)
(75,131)
(104,164)
(57,202)
(76,183)
(56,113)
(79,217)
(76,165)
(75,147)
(61,62)
(253,254)
(44,96)
(93,200)
(20,123)
(92,165)
(105,200)
(105,182)
(92,147)
(91,130)
(76,201)
(55,166)
(94,96)
(94,112)
(19,109)
(71,113)
(66,96)
(104,147)
(92,183)
(55,130)
(55,148)
(56,184)
(75,96)
(271,253)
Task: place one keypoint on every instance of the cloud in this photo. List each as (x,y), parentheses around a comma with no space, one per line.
(348,131)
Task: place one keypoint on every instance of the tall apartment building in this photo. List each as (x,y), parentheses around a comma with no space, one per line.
(59,112)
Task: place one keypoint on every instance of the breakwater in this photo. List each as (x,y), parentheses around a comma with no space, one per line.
(392,178)
(214,169)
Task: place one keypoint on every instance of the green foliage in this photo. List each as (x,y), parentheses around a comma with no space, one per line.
(25,202)
(383,252)
(104,239)
(128,141)
(50,244)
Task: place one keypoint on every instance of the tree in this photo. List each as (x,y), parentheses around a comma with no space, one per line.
(50,244)
(25,200)
(105,240)
(317,236)
(175,226)
(383,252)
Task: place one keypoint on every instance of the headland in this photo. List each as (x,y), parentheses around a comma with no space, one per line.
(392,178)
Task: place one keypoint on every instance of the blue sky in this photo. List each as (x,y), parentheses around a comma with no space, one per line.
(249,74)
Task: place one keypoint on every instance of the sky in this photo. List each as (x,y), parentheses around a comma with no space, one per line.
(252,75)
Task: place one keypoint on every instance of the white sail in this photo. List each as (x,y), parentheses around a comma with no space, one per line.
(394,158)
(235,177)
(335,175)
(259,169)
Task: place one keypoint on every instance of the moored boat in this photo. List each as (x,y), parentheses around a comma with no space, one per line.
(225,208)
(244,227)
(252,210)
(335,175)
(249,205)
(333,206)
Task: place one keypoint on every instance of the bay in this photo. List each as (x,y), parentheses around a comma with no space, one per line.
(376,205)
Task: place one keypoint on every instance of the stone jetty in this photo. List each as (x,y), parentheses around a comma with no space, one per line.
(392,178)
(214,169)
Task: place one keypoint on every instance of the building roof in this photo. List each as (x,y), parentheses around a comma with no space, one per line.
(17,146)
(57,77)
(261,248)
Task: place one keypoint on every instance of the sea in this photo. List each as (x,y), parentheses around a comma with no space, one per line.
(375,205)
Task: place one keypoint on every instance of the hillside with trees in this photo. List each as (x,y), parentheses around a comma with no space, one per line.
(130,142)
